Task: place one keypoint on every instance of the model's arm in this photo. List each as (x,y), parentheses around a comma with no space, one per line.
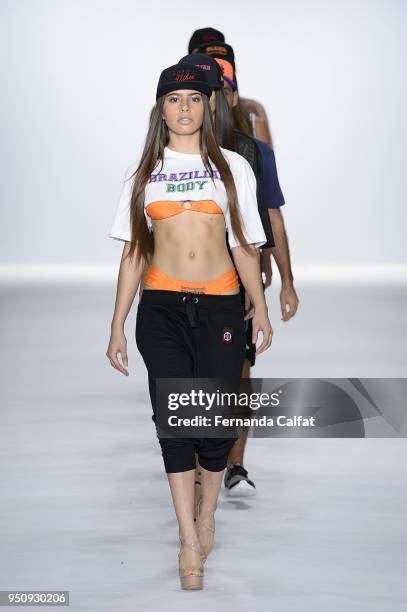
(127,284)
(248,268)
(281,254)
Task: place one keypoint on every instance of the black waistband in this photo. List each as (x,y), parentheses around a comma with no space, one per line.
(179,297)
(191,301)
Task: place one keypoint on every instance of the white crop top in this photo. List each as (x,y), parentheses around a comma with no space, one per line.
(184,177)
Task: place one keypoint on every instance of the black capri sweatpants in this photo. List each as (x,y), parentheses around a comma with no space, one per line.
(190,335)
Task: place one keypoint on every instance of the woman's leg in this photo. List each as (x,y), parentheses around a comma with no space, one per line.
(211,483)
(182,491)
(190,556)
(212,464)
(164,340)
(221,355)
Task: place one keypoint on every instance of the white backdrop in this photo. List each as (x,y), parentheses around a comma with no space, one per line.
(78,82)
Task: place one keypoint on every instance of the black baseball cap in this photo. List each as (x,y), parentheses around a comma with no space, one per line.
(183,76)
(225,56)
(212,69)
(204,36)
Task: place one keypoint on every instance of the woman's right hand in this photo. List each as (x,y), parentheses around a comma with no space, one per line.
(262,324)
(118,344)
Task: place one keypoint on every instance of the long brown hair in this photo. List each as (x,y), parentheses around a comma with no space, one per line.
(142,240)
(224,122)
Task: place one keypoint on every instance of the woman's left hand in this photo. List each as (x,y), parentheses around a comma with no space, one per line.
(262,324)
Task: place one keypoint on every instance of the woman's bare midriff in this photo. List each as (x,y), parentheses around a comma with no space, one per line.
(191,246)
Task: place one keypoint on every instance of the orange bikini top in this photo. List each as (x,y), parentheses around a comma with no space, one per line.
(161,209)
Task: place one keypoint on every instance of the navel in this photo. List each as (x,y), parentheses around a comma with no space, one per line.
(191,254)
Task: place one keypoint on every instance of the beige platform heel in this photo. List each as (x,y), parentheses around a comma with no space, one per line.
(191,578)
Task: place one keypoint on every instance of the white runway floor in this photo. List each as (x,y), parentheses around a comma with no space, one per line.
(85,504)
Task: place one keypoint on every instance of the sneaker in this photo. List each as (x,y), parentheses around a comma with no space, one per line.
(237,483)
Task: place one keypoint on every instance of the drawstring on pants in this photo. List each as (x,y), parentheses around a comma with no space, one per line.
(191,300)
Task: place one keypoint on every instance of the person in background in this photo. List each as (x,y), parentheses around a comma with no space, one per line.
(229,138)
(237,481)
(250,116)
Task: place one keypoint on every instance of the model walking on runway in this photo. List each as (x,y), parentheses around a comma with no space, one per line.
(179,205)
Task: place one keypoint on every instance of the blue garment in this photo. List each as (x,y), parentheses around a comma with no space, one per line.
(272,190)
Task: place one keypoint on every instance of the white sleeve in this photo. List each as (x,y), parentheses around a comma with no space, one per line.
(246,186)
(121,229)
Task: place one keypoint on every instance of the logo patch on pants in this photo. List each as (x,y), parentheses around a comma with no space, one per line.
(227,335)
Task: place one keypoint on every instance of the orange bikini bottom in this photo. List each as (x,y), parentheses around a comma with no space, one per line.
(157,279)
